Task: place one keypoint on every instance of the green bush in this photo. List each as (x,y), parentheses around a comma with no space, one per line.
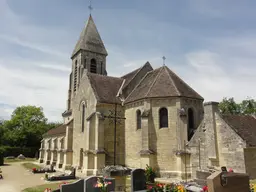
(15,151)
(2,150)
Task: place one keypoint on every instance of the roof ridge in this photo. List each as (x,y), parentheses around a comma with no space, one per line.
(172,81)
(139,69)
(137,85)
(154,81)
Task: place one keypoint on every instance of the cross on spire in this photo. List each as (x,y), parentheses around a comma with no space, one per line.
(163,60)
(90,7)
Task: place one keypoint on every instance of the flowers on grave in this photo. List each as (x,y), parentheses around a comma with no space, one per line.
(230,170)
(160,187)
(252,188)
(102,184)
(205,189)
(150,174)
(48,190)
(34,169)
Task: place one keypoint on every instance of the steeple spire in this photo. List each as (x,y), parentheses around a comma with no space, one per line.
(90,40)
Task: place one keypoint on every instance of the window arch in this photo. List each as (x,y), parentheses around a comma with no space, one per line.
(93,66)
(75,77)
(163,118)
(191,124)
(138,119)
(83,116)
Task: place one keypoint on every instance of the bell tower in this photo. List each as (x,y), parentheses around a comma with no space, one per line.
(89,55)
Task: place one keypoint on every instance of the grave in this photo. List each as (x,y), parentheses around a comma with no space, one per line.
(22,157)
(223,181)
(77,186)
(138,180)
(119,173)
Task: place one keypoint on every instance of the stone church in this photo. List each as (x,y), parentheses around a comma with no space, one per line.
(148,116)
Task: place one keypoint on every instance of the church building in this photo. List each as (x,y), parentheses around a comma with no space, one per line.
(146,117)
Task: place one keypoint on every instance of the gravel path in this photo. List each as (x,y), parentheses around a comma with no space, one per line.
(17,178)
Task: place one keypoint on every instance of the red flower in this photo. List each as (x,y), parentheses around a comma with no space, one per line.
(34,169)
(230,170)
(205,188)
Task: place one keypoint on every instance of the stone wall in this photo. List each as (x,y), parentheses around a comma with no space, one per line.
(230,146)
(109,128)
(84,94)
(164,142)
(250,161)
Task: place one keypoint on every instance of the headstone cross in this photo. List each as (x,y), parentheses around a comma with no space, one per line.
(116,117)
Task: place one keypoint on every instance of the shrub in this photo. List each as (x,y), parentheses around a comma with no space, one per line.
(15,151)
(2,150)
(150,174)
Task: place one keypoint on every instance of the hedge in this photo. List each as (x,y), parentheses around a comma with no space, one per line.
(16,151)
(2,150)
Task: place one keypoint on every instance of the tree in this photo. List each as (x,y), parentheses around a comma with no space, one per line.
(229,106)
(26,126)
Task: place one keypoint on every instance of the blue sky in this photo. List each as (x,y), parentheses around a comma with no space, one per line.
(210,44)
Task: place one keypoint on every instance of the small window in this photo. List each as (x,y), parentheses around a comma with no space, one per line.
(163,118)
(83,116)
(93,67)
(138,119)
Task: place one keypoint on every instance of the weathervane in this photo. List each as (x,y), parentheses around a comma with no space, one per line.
(90,7)
(164,60)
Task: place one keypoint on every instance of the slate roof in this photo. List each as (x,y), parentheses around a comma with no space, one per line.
(90,39)
(244,126)
(57,131)
(130,76)
(105,87)
(161,82)
(60,130)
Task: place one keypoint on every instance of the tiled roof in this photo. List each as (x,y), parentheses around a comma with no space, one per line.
(60,130)
(57,131)
(161,82)
(105,87)
(244,126)
(90,39)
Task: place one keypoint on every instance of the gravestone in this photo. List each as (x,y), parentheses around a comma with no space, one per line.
(228,182)
(89,184)
(21,157)
(138,180)
(76,186)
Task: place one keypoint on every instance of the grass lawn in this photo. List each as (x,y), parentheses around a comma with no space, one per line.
(30,165)
(41,188)
(18,160)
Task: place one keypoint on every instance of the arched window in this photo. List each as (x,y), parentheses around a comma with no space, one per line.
(138,119)
(93,67)
(83,116)
(191,125)
(163,118)
(75,77)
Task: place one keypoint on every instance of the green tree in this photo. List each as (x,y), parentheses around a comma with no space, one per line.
(26,126)
(229,106)
(248,106)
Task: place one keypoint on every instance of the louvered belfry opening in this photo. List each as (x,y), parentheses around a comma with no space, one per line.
(93,66)
(75,77)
